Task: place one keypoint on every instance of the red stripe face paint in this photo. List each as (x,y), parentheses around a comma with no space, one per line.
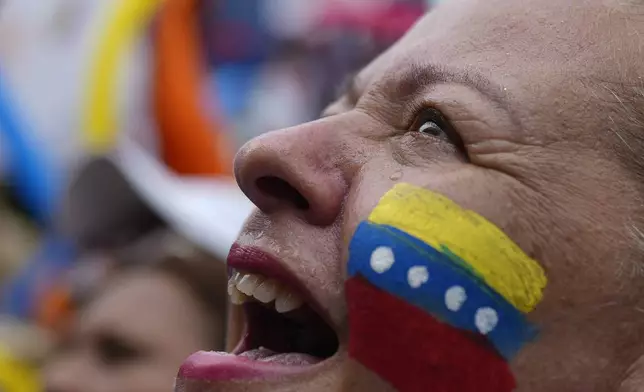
(415,352)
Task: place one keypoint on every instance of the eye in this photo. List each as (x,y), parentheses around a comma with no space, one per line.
(430,128)
(432,123)
(115,351)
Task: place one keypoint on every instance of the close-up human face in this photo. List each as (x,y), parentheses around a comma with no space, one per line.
(521,111)
(132,337)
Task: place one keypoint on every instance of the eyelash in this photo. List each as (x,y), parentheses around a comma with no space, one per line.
(427,115)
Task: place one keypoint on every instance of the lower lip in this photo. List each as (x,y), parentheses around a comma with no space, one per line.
(214,366)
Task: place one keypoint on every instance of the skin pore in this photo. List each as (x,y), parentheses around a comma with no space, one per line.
(535,138)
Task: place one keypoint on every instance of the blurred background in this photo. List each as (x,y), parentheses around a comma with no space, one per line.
(118,122)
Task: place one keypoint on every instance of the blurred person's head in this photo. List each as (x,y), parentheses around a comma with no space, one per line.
(154,242)
(142,322)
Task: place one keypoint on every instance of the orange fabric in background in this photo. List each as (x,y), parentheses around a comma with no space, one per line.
(56,309)
(191,141)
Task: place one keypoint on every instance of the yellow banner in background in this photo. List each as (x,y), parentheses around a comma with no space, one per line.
(125,26)
(17,376)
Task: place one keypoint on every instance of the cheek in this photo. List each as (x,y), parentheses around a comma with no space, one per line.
(380,175)
(455,180)
(496,197)
(374,180)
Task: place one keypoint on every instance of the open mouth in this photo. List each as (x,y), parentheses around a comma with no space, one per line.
(281,327)
(284,333)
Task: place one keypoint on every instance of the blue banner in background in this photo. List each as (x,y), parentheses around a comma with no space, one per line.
(20,294)
(243,20)
(30,173)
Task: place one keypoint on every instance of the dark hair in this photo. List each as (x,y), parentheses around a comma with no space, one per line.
(102,210)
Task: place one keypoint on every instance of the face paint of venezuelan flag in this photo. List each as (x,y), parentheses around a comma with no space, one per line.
(437,295)
(478,245)
(450,262)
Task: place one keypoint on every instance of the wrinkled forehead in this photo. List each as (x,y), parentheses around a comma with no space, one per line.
(534,41)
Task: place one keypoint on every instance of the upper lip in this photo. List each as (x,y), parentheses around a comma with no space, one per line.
(254,260)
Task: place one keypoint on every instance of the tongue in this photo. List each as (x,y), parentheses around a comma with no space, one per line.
(258,354)
(263,354)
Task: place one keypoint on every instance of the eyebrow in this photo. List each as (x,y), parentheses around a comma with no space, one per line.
(416,79)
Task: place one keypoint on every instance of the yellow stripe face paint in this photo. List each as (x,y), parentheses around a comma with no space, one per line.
(468,238)
(124,27)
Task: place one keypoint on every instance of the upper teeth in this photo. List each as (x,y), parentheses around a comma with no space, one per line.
(242,286)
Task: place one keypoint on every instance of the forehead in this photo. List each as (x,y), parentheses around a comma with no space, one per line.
(531,41)
(169,309)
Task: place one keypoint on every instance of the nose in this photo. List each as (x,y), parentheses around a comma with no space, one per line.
(296,170)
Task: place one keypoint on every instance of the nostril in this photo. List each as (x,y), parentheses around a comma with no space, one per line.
(282,190)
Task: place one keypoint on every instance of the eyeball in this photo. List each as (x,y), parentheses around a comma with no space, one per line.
(431,128)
